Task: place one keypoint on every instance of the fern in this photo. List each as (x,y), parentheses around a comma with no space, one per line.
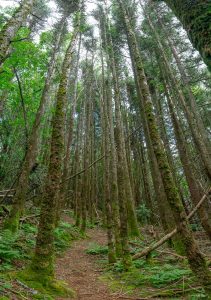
(96,249)
(166,276)
(8,249)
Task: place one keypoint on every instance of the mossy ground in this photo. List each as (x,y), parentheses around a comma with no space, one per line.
(45,286)
(164,276)
(16,251)
(26,285)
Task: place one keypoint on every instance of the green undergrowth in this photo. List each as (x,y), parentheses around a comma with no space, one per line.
(16,251)
(95,249)
(163,277)
(155,280)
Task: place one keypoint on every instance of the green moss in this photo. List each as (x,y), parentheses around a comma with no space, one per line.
(44,284)
(12,223)
(178,245)
(195,17)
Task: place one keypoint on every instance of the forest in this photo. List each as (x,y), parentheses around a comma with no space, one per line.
(105,149)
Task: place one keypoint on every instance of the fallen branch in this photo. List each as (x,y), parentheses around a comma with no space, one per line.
(171,253)
(29,217)
(152,247)
(85,169)
(20,40)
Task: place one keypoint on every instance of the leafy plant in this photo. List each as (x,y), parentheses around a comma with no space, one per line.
(29,228)
(139,263)
(195,227)
(8,247)
(64,234)
(118,267)
(96,249)
(166,276)
(16,247)
(62,238)
(143,214)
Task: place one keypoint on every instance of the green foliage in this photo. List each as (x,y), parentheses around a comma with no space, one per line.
(167,275)
(64,234)
(139,263)
(153,280)
(118,267)
(195,227)
(8,246)
(16,247)
(198,296)
(95,249)
(30,60)
(90,225)
(143,214)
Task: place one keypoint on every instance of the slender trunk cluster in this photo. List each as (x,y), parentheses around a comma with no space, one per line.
(195,258)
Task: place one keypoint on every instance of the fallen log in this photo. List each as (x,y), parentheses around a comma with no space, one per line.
(154,246)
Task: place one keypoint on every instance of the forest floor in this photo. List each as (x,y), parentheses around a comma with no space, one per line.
(82,263)
(80,271)
(85,269)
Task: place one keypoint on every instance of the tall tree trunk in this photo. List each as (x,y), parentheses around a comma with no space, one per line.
(64,184)
(163,206)
(132,220)
(195,189)
(108,199)
(78,180)
(12,222)
(112,155)
(43,261)
(89,82)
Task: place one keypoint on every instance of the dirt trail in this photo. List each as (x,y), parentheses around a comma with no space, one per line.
(79,270)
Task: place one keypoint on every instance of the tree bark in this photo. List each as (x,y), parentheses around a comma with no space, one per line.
(195,18)
(43,261)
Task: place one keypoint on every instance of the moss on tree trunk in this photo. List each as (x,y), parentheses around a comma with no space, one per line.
(195,17)
(43,261)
